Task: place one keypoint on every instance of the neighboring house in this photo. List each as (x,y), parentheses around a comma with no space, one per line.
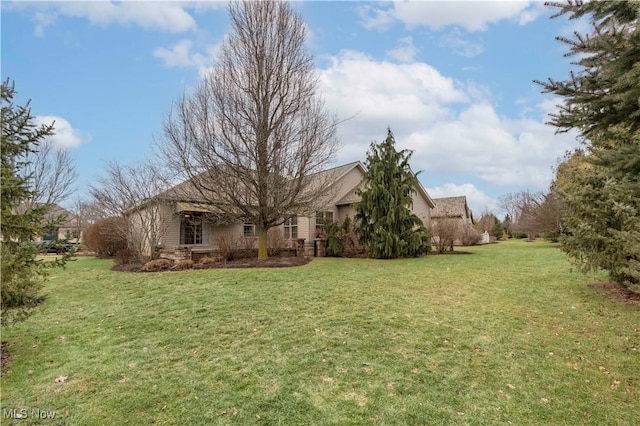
(455,208)
(68,228)
(452,208)
(194,226)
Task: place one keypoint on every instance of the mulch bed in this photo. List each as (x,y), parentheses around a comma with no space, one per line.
(272,262)
(619,293)
(436,252)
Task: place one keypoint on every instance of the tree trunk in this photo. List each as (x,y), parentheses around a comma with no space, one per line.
(262,244)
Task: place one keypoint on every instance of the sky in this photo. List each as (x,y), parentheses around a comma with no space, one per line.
(453,81)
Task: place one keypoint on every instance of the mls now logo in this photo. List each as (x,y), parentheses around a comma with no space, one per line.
(13,413)
(23,413)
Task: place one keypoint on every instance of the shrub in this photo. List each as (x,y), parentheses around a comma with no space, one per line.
(334,243)
(247,244)
(181,265)
(343,239)
(469,236)
(125,256)
(106,236)
(275,242)
(444,232)
(225,247)
(207,260)
(157,265)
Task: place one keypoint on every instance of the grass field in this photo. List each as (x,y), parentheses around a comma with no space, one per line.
(506,335)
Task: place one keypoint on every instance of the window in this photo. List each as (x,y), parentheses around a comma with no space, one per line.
(323,217)
(51,234)
(291,228)
(72,235)
(249,230)
(191,228)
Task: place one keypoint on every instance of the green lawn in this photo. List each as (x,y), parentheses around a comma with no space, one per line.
(506,335)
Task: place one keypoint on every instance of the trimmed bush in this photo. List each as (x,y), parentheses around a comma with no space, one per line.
(106,236)
(157,265)
(182,265)
(207,260)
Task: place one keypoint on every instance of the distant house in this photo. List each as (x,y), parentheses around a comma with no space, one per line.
(197,226)
(67,226)
(454,208)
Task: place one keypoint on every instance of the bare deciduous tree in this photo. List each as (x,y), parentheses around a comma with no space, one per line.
(51,174)
(487,221)
(533,213)
(130,192)
(444,232)
(84,213)
(254,129)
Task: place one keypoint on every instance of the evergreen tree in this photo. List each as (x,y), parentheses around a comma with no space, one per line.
(601,102)
(22,273)
(498,229)
(386,223)
(507,223)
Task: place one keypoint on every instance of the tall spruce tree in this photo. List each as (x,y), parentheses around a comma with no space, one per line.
(601,191)
(22,272)
(386,223)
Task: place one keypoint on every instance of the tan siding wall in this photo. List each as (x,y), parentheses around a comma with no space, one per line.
(310,228)
(235,232)
(303,228)
(344,211)
(422,209)
(171,238)
(348,183)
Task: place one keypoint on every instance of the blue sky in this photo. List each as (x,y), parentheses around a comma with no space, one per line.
(453,81)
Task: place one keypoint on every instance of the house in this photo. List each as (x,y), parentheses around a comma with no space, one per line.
(192,226)
(455,208)
(67,226)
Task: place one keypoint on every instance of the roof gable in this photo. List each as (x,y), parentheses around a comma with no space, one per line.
(332,178)
(451,207)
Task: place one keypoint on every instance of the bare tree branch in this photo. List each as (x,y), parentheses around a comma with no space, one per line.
(130,191)
(254,129)
(51,174)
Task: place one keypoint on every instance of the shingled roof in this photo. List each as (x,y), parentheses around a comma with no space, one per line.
(452,207)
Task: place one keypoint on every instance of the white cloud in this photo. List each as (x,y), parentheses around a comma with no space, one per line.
(498,150)
(550,105)
(375,18)
(183,54)
(459,45)
(533,12)
(478,201)
(405,52)
(43,20)
(65,136)
(179,55)
(381,94)
(436,15)
(164,16)
(452,127)
(359,84)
